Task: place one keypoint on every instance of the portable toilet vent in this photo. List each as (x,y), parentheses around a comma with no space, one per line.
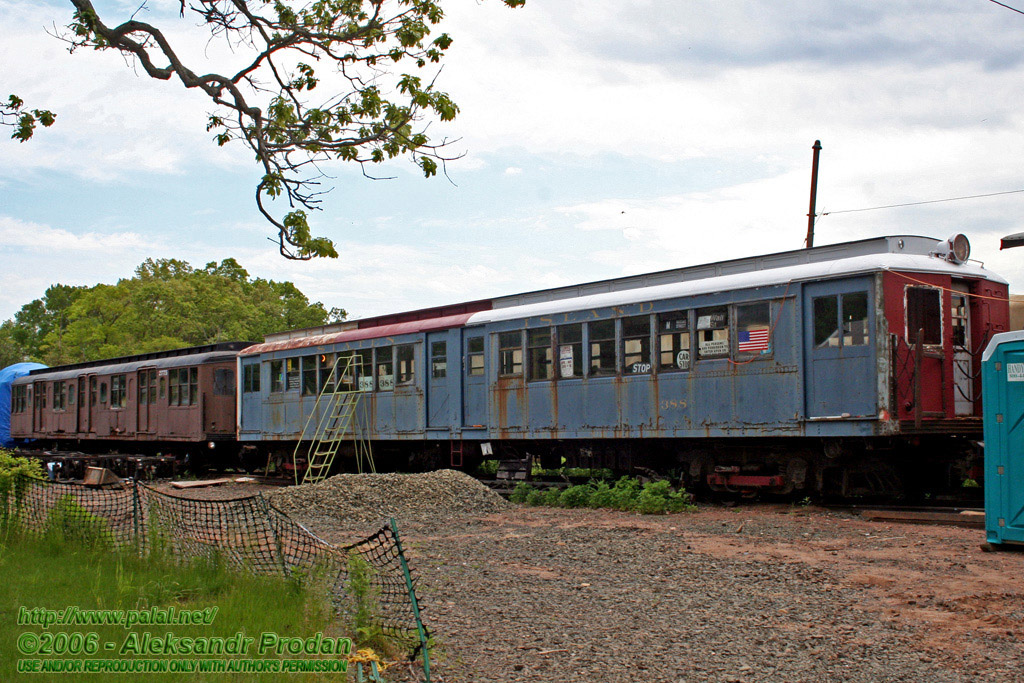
(1002,367)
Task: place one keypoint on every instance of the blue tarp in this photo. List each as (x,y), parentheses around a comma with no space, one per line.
(8,375)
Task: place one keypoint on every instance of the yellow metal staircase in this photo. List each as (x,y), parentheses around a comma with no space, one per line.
(337,414)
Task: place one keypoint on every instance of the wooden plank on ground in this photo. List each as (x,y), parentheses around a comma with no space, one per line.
(971,519)
(199,483)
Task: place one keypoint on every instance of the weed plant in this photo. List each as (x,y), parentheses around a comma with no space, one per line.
(627,494)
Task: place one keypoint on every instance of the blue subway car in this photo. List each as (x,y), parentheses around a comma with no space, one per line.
(847,368)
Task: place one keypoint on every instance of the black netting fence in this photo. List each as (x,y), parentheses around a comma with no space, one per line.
(248,533)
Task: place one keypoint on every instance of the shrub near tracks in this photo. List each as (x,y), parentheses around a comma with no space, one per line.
(653,498)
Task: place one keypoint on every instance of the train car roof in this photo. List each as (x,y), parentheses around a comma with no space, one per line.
(194,355)
(815,270)
(376,332)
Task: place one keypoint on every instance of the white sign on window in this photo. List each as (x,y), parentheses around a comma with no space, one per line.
(565,360)
(1015,372)
(366,383)
(714,347)
(387,382)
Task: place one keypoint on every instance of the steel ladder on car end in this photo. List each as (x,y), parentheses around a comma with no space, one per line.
(336,413)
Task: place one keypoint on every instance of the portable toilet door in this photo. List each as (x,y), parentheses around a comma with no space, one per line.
(1003,410)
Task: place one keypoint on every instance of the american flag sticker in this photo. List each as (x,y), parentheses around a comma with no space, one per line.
(753,340)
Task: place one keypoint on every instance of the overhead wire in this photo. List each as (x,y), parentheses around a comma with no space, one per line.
(930,201)
(1012,9)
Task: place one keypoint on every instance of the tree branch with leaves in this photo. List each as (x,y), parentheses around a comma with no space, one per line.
(271,103)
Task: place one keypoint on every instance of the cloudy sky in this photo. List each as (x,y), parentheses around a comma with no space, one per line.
(600,138)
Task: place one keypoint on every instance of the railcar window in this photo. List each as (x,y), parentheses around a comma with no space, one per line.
(193,386)
(712,332)
(143,398)
(753,329)
(326,365)
(959,306)
(826,321)
(570,350)
(439,359)
(924,315)
(405,357)
(71,394)
(117,391)
(674,341)
(152,387)
(602,347)
(18,399)
(308,375)
(251,378)
(163,385)
(363,360)
(103,393)
(538,347)
(385,368)
(855,319)
(292,379)
(510,354)
(92,391)
(223,380)
(276,376)
(176,393)
(59,396)
(475,356)
(636,344)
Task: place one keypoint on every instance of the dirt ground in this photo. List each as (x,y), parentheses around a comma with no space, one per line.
(744,594)
(758,593)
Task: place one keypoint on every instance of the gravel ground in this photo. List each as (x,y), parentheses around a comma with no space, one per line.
(760,593)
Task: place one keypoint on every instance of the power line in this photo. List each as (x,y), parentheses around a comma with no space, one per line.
(930,201)
(1012,9)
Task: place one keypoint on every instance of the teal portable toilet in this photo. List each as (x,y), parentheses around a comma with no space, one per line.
(1002,376)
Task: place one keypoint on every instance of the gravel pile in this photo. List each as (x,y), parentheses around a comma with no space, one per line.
(369,498)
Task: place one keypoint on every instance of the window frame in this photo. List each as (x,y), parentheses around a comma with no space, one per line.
(539,342)
(575,345)
(591,340)
(509,343)
(472,355)
(439,359)
(675,334)
(750,355)
(911,334)
(405,368)
(384,356)
(251,378)
(646,367)
(727,326)
(307,387)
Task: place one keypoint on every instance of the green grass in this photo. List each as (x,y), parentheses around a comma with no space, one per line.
(53,572)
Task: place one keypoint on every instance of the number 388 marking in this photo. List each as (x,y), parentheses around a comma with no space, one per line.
(672,404)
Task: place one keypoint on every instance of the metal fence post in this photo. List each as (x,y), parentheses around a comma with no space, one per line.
(412,599)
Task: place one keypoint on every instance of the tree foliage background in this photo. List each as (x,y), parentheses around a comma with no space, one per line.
(303,83)
(167,304)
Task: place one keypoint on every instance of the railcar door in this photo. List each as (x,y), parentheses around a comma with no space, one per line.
(963,361)
(38,406)
(142,403)
(438,406)
(474,380)
(839,331)
(83,406)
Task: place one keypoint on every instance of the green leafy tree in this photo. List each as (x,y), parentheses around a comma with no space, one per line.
(383,52)
(167,304)
(14,115)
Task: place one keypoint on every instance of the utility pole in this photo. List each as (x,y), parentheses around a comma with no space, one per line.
(814,193)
